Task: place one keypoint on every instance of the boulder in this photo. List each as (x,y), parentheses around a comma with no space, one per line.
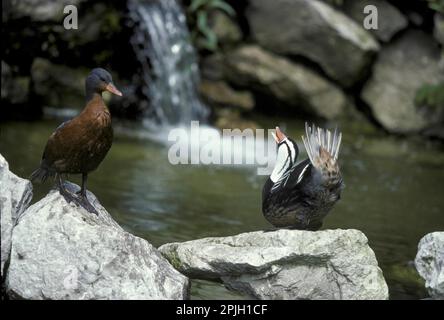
(15,89)
(38,10)
(15,196)
(219,93)
(402,68)
(226,30)
(429,262)
(316,31)
(285,264)
(232,119)
(438,30)
(292,84)
(61,251)
(390,19)
(58,86)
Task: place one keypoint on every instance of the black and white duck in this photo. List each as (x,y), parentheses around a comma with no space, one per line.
(300,195)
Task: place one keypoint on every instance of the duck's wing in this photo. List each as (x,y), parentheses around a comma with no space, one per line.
(62,125)
(54,146)
(292,176)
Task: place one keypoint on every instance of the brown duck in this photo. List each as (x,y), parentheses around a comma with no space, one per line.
(79,145)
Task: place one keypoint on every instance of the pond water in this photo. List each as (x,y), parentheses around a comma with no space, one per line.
(394,194)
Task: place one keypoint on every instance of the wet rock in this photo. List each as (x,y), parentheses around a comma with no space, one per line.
(438,30)
(15,89)
(314,30)
(232,119)
(58,85)
(390,19)
(219,93)
(225,28)
(15,196)
(61,251)
(294,85)
(429,262)
(39,10)
(402,68)
(439,36)
(212,67)
(285,264)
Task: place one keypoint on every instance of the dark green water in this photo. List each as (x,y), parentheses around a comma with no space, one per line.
(394,194)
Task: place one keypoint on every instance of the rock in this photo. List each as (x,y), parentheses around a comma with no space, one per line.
(429,262)
(15,196)
(220,94)
(15,89)
(390,19)
(232,119)
(57,85)
(403,67)
(212,67)
(294,85)
(16,96)
(39,10)
(226,30)
(314,30)
(61,251)
(438,30)
(285,264)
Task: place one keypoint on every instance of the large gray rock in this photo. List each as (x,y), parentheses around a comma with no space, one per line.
(61,251)
(390,19)
(292,84)
(219,93)
(225,28)
(15,89)
(313,29)
(429,262)
(438,30)
(38,10)
(285,264)
(402,68)
(15,196)
(57,85)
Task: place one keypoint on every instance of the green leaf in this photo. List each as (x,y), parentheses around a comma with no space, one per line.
(225,7)
(202,21)
(195,4)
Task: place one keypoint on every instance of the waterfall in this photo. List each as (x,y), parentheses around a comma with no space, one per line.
(170,70)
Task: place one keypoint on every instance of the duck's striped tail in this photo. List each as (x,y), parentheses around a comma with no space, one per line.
(322,147)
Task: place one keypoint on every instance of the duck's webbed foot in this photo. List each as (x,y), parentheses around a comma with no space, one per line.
(83,198)
(84,202)
(69,197)
(79,198)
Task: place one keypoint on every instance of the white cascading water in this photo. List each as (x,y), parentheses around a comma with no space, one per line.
(163,46)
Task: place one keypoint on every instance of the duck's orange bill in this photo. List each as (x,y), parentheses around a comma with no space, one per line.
(111,88)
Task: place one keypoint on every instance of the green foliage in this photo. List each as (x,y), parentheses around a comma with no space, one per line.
(430,95)
(198,16)
(437,5)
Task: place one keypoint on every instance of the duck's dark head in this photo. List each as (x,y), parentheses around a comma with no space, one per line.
(100,80)
(287,154)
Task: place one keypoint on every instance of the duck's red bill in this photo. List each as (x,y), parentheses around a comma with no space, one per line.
(111,88)
(279,136)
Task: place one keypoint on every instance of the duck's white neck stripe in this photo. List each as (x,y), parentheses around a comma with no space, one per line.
(285,159)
